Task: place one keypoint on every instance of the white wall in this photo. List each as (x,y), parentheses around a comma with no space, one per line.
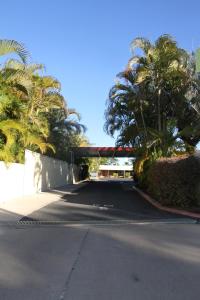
(38,173)
(11,181)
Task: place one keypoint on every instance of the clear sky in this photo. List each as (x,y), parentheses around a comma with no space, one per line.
(85,43)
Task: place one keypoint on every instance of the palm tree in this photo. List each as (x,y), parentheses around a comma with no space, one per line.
(65,130)
(163,69)
(148,105)
(33,112)
(9,108)
(13,47)
(26,98)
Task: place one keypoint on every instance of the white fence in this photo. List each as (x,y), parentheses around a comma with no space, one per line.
(38,173)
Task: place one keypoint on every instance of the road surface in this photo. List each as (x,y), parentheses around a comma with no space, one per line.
(102,242)
(101,201)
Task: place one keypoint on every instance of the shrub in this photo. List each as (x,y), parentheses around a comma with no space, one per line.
(175,181)
(115,175)
(127,174)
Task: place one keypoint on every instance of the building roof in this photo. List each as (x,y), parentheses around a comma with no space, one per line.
(115,168)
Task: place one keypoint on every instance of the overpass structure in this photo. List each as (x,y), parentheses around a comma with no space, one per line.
(79,152)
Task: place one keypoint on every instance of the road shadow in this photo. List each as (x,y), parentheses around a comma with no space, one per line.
(101,201)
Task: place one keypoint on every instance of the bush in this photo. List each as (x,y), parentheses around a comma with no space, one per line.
(127,174)
(175,181)
(115,175)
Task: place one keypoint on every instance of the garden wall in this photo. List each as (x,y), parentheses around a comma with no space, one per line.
(38,173)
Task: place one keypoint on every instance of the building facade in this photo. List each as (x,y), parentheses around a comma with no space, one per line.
(115,171)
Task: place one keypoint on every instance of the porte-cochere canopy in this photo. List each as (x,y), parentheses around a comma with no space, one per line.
(103,151)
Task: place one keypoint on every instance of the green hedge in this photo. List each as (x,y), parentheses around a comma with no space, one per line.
(175,181)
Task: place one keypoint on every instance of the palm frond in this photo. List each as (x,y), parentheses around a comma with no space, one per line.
(141,43)
(11,46)
(15,64)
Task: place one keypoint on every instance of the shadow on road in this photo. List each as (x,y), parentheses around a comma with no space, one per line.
(101,201)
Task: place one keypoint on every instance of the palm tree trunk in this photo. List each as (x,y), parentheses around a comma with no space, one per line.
(159,111)
(143,121)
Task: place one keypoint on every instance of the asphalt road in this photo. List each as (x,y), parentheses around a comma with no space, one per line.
(149,255)
(101,201)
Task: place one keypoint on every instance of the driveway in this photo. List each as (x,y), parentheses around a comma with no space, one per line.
(102,242)
(101,201)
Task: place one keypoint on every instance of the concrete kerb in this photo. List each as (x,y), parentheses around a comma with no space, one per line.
(164,208)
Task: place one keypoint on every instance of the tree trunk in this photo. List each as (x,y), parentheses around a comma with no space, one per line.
(143,121)
(159,111)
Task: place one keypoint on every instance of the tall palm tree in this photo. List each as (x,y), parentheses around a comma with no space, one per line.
(33,112)
(163,68)
(65,130)
(149,106)
(26,98)
(9,108)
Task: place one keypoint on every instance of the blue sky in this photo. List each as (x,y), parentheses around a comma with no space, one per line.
(86,43)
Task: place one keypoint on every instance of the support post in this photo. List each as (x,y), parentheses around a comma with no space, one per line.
(72,166)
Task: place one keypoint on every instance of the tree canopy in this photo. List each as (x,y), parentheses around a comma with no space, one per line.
(154,106)
(33,111)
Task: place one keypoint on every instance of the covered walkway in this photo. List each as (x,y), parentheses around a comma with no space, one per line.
(102,152)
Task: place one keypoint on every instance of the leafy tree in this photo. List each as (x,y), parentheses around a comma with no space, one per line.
(65,131)
(95,162)
(152,106)
(26,98)
(33,112)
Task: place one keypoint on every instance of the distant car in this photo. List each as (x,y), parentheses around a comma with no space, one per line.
(93,175)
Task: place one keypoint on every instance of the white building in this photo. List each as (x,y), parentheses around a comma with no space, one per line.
(125,171)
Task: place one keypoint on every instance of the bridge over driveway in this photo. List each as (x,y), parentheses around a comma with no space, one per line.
(102,152)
